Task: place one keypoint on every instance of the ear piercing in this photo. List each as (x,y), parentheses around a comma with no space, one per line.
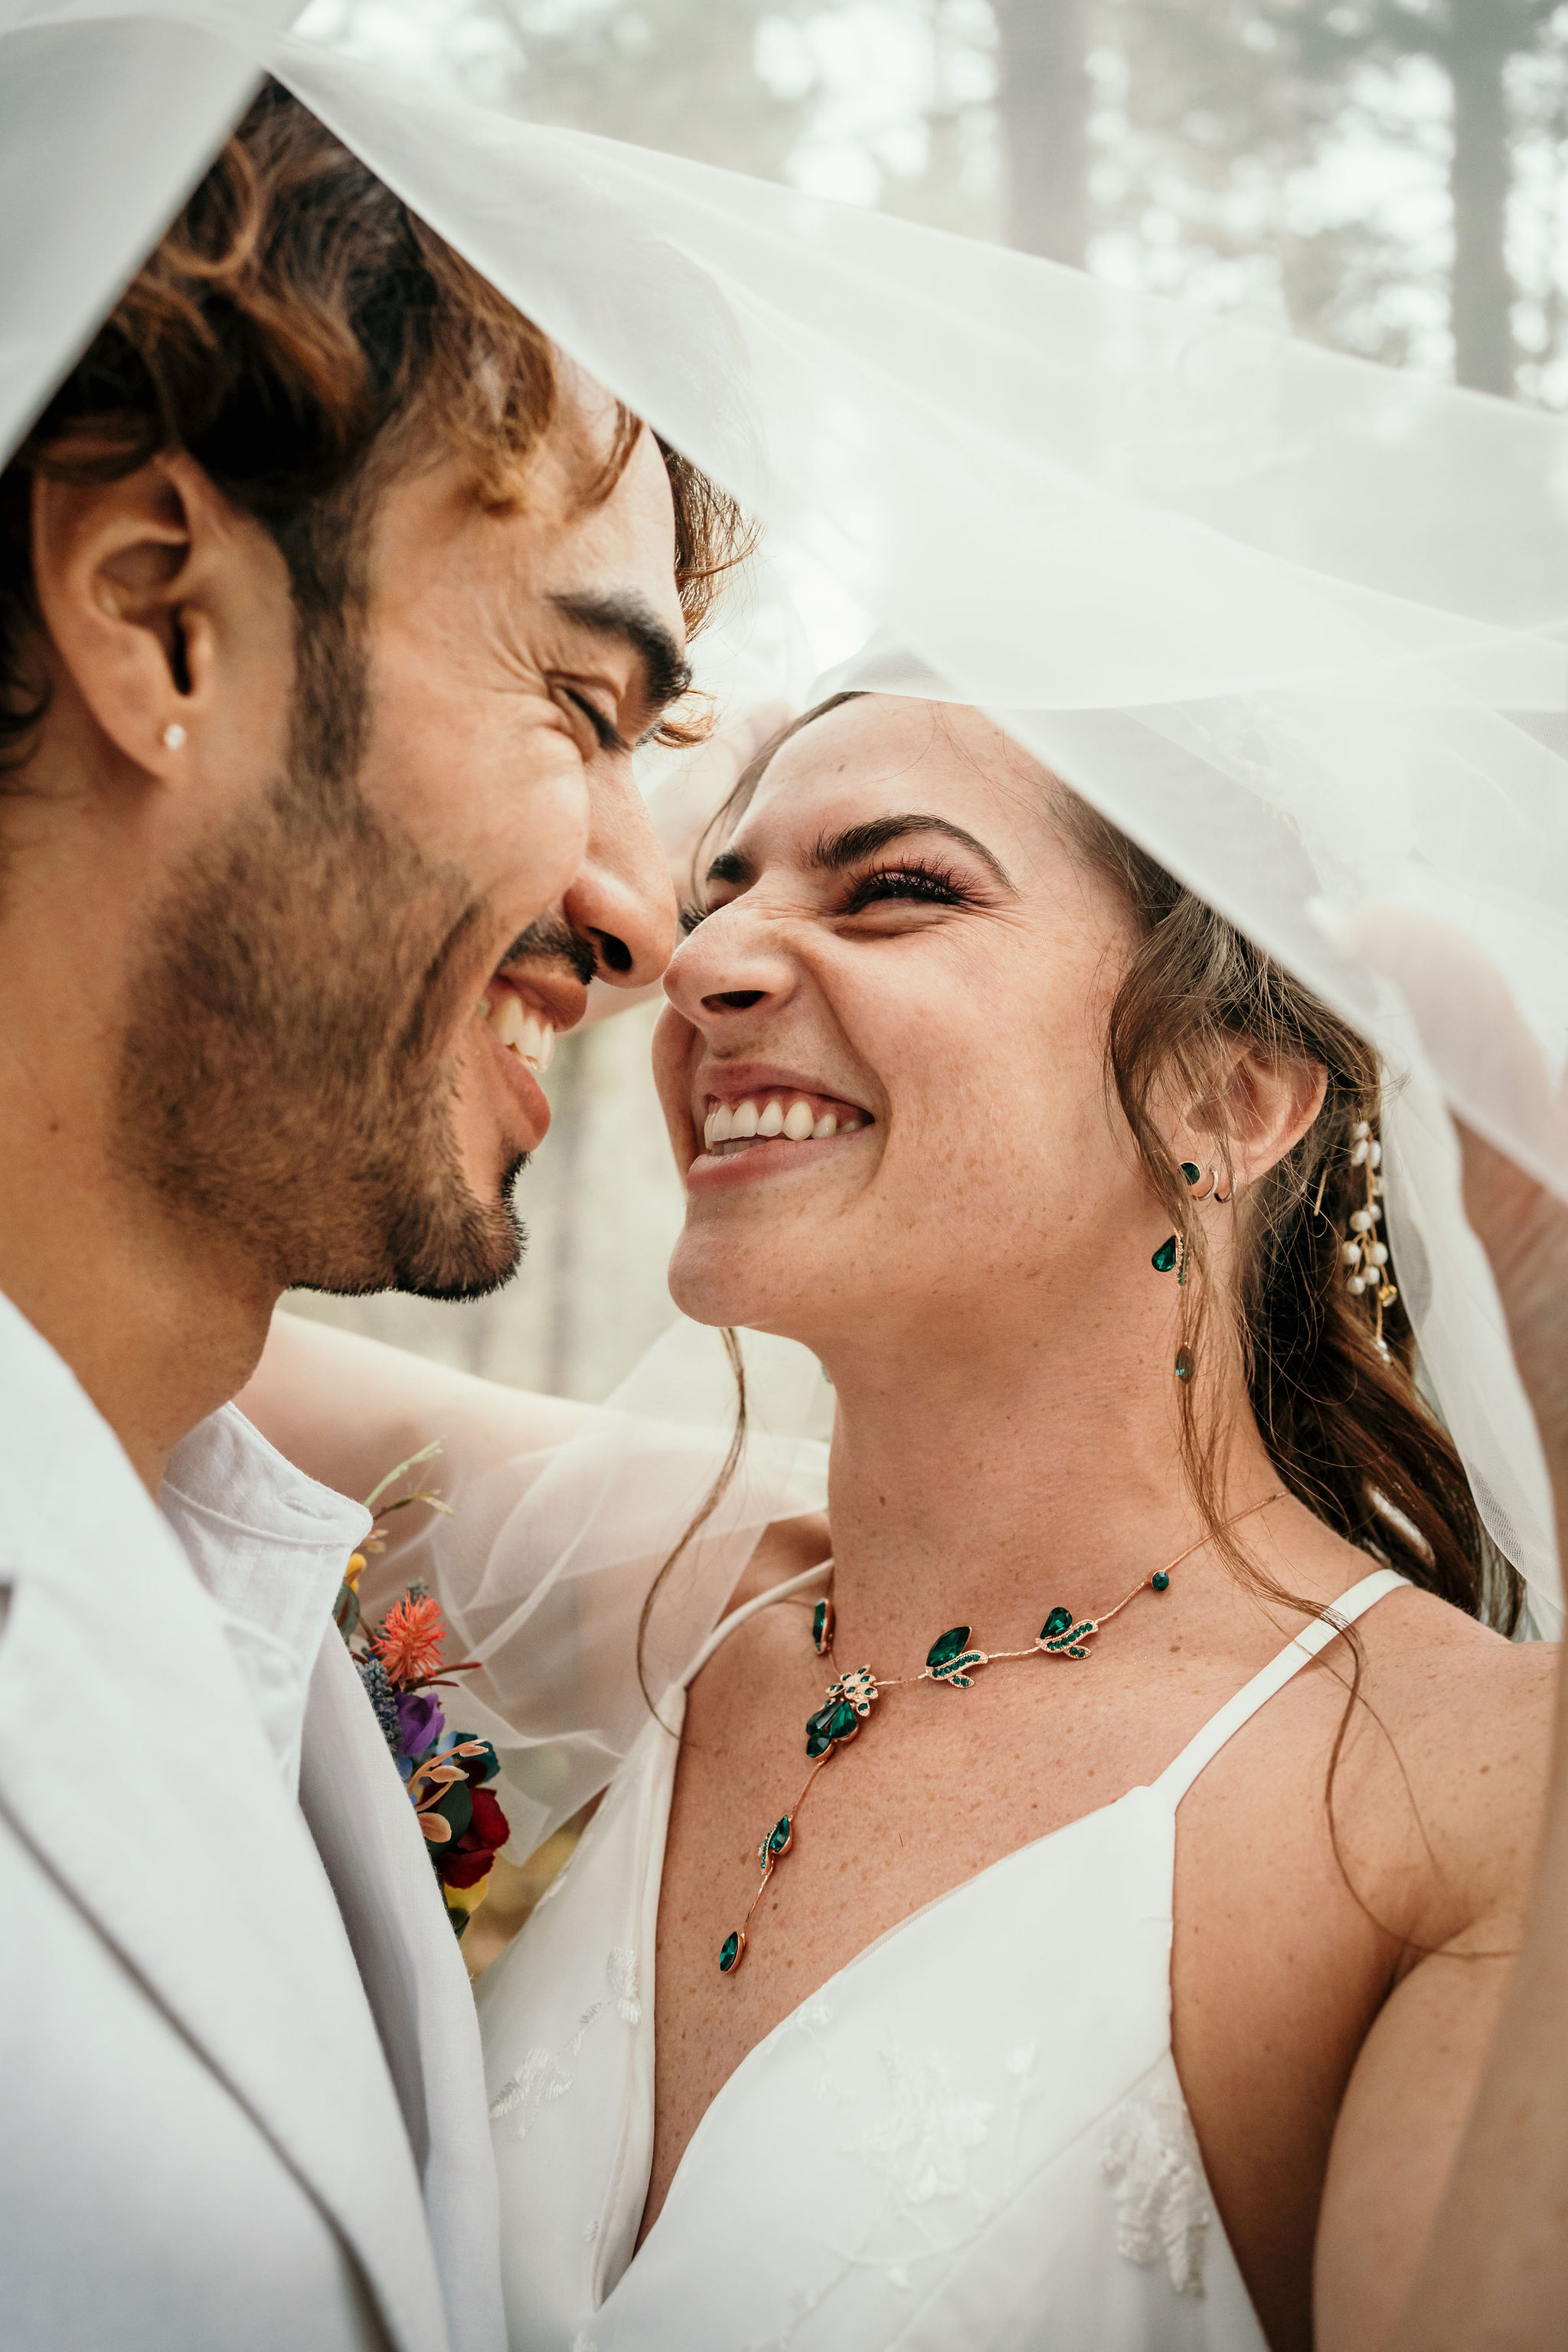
(1171,1253)
(174,735)
(1211,1190)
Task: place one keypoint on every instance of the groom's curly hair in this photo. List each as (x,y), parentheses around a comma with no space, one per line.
(300,333)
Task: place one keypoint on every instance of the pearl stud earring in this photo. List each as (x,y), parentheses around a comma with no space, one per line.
(174,735)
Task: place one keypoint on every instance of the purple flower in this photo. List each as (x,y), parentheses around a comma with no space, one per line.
(420,1722)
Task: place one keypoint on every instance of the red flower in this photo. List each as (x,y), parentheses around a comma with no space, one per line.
(410,1640)
(489,1822)
(469,1858)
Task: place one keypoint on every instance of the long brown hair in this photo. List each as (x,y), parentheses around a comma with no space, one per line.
(300,331)
(1345,1423)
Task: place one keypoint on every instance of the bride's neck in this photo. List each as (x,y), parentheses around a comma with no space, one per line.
(987,1482)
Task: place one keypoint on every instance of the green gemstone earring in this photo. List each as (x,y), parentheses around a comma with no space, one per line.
(1184,1364)
(1164,1258)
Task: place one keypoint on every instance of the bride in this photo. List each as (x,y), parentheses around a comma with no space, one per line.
(1015,1934)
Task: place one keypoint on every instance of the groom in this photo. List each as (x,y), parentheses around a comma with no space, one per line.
(332,605)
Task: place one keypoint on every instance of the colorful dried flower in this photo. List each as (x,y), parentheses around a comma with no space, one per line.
(420,1722)
(445,1772)
(410,1639)
(382,1696)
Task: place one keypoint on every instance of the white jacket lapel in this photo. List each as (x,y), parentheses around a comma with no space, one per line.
(409,1962)
(132,1761)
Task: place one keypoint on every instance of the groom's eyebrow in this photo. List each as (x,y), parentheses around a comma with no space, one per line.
(834,851)
(622,615)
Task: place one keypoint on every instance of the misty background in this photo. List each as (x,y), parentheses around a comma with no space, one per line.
(1389,177)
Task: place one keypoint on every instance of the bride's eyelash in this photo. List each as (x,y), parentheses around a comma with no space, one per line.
(931,886)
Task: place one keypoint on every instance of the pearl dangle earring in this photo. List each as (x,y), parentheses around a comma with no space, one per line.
(1363,1254)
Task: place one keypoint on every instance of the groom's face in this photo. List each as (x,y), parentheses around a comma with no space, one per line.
(346,994)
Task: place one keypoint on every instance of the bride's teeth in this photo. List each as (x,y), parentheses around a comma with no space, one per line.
(722,1125)
(484,1008)
(772,1120)
(826,1125)
(743,1119)
(847,1125)
(798,1122)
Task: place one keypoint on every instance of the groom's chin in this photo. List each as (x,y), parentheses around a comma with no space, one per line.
(461,1248)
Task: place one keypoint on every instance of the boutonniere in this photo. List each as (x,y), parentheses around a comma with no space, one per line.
(402,1665)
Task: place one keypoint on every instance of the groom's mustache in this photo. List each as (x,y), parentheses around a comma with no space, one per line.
(549,941)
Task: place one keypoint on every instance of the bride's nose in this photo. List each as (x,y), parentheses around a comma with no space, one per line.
(730,964)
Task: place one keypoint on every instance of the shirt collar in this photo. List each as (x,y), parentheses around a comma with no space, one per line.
(270,1546)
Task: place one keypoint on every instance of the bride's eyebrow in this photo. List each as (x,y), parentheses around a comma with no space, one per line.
(834,851)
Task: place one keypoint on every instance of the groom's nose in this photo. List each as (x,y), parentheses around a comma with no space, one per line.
(622,900)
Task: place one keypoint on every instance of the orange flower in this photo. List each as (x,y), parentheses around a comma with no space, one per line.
(410,1640)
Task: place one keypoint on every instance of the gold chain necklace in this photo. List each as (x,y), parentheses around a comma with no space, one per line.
(951,1662)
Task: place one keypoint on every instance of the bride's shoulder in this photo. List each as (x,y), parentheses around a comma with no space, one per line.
(1451,1745)
(1437,1666)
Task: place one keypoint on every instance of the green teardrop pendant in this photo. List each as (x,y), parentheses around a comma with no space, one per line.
(731,1950)
(1164,1258)
(948,1646)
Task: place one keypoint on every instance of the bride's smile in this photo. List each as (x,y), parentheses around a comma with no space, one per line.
(894,937)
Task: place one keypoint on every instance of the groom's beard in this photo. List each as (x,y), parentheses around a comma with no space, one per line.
(288,1077)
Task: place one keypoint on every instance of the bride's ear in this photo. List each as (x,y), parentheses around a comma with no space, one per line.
(1263,1105)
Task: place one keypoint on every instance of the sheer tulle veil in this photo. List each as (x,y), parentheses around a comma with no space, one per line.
(1298,623)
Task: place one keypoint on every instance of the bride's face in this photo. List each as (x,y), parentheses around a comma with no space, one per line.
(902,962)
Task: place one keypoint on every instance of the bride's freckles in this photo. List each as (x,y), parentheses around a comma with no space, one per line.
(882,1061)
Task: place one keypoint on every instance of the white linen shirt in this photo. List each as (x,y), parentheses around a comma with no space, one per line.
(270,1546)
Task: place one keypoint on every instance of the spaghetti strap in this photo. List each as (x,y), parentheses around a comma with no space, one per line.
(1178,1777)
(726,1626)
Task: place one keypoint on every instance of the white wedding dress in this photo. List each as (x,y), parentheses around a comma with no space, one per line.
(972,2136)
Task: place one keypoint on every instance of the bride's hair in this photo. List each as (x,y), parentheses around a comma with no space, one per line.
(300,331)
(1345,1422)
(1345,1425)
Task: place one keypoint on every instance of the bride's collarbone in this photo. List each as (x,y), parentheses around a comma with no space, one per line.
(940,1784)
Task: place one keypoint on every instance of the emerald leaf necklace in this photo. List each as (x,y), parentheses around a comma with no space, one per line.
(951,1661)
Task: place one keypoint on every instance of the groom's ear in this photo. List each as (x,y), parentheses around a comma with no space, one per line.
(162,603)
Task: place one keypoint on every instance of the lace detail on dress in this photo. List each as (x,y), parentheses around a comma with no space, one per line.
(542,2074)
(922,2141)
(1151,2160)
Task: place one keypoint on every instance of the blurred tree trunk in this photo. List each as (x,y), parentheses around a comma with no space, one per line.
(1476,55)
(1043,102)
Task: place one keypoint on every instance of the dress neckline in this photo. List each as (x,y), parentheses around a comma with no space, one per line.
(1167,1789)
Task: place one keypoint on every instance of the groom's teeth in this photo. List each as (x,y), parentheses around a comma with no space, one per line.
(528,1034)
(722,1125)
(825,1126)
(743,1119)
(797,1122)
(772,1120)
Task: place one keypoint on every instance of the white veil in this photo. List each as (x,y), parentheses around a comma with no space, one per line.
(1298,623)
